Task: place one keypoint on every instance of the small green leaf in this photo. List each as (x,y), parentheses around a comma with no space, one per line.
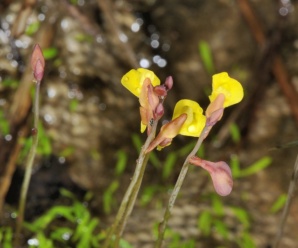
(242,215)
(235,165)
(137,142)
(108,198)
(4,125)
(221,228)
(61,234)
(201,151)
(121,162)
(125,244)
(6,235)
(147,195)
(169,165)
(217,205)
(154,159)
(68,151)
(82,37)
(204,223)
(235,133)
(256,167)
(73,105)
(10,83)
(279,203)
(50,53)
(246,241)
(206,56)
(32,28)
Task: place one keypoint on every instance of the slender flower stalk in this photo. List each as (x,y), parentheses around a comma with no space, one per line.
(285,212)
(177,187)
(37,64)
(114,234)
(29,164)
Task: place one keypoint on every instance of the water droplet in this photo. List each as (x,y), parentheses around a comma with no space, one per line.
(144,63)
(123,37)
(8,137)
(135,27)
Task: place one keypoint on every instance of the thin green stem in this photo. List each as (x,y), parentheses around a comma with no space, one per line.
(130,196)
(286,209)
(28,165)
(176,189)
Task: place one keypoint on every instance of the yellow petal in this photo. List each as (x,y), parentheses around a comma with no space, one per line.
(133,80)
(231,88)
(195,121)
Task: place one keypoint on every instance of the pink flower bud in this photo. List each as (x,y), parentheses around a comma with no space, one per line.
(37,63)
(159,111)
(220,173)
(160,90)
(169,83)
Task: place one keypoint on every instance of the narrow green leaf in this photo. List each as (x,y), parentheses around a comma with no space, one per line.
(235,133)
(242,215)
(206,56)
(73,105)
(125,244)
(137,142)
(68,151)
(217,205)
(4,125)
(169,165)
(50,53)
(204,223)
(61,234)
(246,241)
(147,195)
(121,162)
(256,167)
(279,203)
(32,28)
(108,198)
(221,228)
(235,166)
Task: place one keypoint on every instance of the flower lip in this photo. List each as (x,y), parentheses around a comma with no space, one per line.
(231,88)
(134,79)
(195,121)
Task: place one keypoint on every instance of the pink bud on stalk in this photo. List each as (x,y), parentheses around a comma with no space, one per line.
(37,63)
(220,173)
(162,90)
(169,82)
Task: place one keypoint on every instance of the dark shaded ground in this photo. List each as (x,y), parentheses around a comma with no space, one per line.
(97,42)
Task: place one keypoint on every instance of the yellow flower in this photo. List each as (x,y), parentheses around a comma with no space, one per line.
(134,79)
(195,121)
(229,87)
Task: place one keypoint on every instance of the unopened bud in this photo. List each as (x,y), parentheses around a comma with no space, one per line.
(37,63)
(160,90)
(169,82)
(159,111)
(220,173)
